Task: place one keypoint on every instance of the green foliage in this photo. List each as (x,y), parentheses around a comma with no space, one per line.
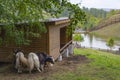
(29,13)
(113,12)
(98,13)
(77,37)
(75,14)
(110,43)
(91,23)
(93,16)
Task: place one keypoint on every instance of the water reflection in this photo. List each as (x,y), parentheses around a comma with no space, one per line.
(93,42)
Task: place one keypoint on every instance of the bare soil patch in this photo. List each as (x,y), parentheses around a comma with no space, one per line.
(8,73)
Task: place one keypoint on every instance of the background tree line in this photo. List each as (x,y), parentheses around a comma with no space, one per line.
(95,16)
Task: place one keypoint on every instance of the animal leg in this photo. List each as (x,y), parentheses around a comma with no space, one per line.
(30,71)
(31,68)
(37,64)
(42,67)
(38,69)
(19,71)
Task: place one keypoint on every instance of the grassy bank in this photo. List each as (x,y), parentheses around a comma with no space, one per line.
(109,31)
(103,66)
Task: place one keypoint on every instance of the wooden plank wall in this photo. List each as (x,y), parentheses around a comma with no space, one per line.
(6,54)
(37,45)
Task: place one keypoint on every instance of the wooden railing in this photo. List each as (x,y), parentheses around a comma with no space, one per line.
(66,45)
(108,22)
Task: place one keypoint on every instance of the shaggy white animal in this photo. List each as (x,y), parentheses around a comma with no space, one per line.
(20,59)
(31,62)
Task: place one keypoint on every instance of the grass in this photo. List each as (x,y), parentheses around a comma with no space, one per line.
(109,31)
(102,66)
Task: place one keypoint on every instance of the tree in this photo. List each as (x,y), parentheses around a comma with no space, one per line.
(110,43)
(29,13)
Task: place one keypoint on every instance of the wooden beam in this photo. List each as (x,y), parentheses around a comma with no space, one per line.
(62,22)
(65,45)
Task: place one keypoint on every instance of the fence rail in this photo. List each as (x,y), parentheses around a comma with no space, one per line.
(108,22)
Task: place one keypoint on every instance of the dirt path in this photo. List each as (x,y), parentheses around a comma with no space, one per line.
(70,63)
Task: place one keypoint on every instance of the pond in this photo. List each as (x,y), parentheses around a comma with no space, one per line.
(90,41)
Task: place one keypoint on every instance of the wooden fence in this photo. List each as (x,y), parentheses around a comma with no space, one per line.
(110,21)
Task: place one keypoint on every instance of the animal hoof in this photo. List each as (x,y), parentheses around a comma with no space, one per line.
(19,72)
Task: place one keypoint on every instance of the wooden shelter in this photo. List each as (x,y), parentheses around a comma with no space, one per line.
(52,42)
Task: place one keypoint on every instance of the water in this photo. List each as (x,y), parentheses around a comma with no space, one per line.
(91,41)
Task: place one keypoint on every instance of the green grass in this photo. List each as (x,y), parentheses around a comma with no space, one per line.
(103,66)
(109,31)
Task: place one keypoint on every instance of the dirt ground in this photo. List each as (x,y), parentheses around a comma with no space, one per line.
(8,73)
